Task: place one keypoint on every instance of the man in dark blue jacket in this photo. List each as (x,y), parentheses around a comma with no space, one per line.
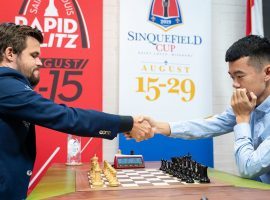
(21,108)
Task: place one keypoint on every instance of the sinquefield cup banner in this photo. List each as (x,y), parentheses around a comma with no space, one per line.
(165,71)
(72,66)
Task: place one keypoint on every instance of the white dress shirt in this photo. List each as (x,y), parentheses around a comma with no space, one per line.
(252,140)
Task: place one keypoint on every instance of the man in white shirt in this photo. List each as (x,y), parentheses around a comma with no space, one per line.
(249,113)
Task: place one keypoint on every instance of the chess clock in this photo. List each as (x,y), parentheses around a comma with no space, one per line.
(128,161)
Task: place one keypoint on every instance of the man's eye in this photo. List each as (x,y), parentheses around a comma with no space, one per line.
(240,76)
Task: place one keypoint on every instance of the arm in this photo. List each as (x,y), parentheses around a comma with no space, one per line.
(19,102)
(251,162)
(194,129)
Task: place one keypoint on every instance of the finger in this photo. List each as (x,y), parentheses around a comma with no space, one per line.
(140,118)
(148,119)
(243,94)
(233,99)
(253,99)
(151,133)
(145,127)
(139,135)
(139,139)
(154,130)
(128,136)
(238,95)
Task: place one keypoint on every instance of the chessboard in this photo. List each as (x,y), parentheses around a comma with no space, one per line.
(138,179)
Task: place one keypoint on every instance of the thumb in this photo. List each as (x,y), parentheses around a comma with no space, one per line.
(140,118)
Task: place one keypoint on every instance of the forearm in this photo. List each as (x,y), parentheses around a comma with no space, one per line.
(251,162)
(163,128)
(196,129)
(204,128)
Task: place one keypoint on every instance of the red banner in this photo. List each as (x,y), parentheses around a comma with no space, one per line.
(254,17)
(72,66)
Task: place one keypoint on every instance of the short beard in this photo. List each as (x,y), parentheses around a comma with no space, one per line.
(33,81)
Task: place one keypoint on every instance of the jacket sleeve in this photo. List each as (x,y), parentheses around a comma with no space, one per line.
(19,101)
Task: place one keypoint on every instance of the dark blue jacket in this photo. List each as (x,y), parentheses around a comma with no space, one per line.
(20,109)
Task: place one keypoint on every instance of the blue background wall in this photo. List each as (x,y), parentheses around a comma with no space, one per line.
(161,147)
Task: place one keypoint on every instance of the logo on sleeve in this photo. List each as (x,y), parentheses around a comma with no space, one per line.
(27,87)
(103,132)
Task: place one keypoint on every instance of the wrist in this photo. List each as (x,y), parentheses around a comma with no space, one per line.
(163,128)
(242,119)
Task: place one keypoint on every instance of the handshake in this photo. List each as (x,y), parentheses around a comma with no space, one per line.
(146,127)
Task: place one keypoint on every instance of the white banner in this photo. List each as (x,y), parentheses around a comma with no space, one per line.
(165,58)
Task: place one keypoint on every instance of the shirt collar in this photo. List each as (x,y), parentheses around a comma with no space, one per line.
(264,106)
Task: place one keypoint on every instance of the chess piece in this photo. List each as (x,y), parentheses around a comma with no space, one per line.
(113,181)
(51,10)
(119,152)
(110,174)
(165,4)
(185,169)
(163,165)
(106,166)
(93,165)
(94,161)
(168,169)
(190,180)
(203,174)
(97,180)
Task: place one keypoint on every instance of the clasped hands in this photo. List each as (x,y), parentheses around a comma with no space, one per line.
(143,129)
(243,103)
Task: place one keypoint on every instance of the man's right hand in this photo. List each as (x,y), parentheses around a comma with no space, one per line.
(146,122)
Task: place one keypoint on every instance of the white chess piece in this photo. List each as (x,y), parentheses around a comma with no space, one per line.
(97,180)
(51,10)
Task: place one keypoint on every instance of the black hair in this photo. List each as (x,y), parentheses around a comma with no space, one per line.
(253,46)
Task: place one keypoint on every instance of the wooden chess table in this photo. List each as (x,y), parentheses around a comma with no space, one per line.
(66,182)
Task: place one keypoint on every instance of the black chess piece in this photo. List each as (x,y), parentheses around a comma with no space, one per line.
(174,159)
(168,169)
(189,180)
(196,171)
(203,174)
(162,165)
(165,166)
(185,169)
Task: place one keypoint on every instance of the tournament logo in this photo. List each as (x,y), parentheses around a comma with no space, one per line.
(61,22)
(165,13)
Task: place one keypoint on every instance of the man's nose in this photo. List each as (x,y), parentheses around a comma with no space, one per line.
(38,62)
(236,84)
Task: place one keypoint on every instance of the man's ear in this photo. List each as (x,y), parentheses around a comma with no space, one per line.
(267,72)
(8,54)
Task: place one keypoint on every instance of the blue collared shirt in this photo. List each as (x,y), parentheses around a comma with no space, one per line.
(252,140)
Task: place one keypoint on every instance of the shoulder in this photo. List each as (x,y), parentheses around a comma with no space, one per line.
(12,80)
